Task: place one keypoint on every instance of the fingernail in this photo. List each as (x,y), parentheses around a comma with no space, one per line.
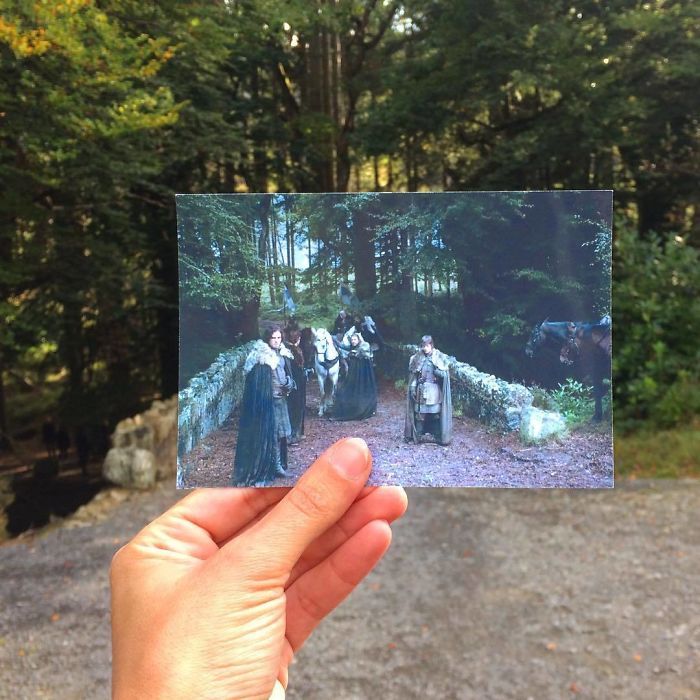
(350,457)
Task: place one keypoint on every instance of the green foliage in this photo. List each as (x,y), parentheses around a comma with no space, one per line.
(541,398)
(574,401)
(656,357)
(218,251)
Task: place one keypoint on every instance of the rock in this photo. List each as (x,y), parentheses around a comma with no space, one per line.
(130,467)
(153,432)
(537,425)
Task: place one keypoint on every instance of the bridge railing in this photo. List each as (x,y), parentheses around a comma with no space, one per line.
(210,398)
(491,400)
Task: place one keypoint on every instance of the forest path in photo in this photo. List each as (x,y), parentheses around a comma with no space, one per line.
(476,457)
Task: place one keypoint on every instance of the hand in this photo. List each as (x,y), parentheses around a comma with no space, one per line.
(214,597)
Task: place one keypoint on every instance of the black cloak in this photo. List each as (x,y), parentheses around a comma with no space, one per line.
(356,398)
(440,362)
(296,402)
(257,449)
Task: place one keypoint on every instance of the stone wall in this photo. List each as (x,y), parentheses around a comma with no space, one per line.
(491,400)
(143,447)
(210,398)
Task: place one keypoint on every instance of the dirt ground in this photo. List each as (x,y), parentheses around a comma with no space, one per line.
(476,457)
(485,594)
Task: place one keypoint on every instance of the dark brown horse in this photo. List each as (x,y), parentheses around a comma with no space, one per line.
(586,344)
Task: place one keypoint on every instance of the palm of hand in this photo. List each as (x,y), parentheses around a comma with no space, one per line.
(217,594)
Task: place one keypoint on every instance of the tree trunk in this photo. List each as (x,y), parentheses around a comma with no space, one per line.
(363,256)
(275,257)
(407,318)
(4,433)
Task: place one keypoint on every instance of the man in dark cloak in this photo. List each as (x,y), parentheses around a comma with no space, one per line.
(429,398)
(296,403)
(264,427)
(356,398)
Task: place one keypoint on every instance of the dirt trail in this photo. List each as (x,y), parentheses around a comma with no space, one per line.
(484,595)
(476,457)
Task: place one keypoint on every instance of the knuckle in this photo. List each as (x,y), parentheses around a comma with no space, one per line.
(309,605)
(120,562)
(311,501)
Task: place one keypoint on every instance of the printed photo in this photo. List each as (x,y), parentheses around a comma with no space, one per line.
(466,336)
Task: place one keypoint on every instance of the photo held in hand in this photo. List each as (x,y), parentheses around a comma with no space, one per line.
(466,336)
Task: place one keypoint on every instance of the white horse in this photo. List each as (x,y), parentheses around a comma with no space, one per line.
(327,367)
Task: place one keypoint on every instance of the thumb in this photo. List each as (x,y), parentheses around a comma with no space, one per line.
(320,498)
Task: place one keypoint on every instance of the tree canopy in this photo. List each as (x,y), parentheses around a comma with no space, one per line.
(111,107)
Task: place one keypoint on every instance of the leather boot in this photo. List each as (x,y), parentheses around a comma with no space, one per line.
(419,429)
(281,462)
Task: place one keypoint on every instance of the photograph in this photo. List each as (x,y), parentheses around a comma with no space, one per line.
(466,336)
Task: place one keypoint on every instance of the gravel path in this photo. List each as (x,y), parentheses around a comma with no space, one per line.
(485,594)
(476,457)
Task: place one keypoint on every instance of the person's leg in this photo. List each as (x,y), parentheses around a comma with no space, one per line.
(281,457)
(432,424)
(420,425)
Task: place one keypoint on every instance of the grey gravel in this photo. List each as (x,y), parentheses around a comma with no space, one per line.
(485,594)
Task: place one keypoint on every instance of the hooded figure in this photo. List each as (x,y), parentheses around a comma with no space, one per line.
(264,427)
(429,398)
(356,398)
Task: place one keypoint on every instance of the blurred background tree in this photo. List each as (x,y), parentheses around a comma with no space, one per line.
(108,108)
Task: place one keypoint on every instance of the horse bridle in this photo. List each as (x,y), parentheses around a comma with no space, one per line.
(325,362)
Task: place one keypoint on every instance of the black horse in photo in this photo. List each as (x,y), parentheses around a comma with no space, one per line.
(585,344)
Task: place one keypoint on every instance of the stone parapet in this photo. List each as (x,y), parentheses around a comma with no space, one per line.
(210,398)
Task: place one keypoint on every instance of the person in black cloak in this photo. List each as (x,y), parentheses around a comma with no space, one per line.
(264,427)
(429,398)
(296,403)
(356,398)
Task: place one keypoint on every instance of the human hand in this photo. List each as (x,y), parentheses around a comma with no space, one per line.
(214,597)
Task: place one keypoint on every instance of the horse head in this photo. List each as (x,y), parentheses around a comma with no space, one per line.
(321,340)
(536,339)
(556,332)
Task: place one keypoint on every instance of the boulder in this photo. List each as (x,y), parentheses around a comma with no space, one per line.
(130,467)
(537,425)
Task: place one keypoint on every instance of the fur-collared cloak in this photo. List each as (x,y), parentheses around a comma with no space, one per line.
(357,394)
(439,360)
(257,448)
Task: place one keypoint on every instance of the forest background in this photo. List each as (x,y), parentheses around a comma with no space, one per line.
(107,109)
